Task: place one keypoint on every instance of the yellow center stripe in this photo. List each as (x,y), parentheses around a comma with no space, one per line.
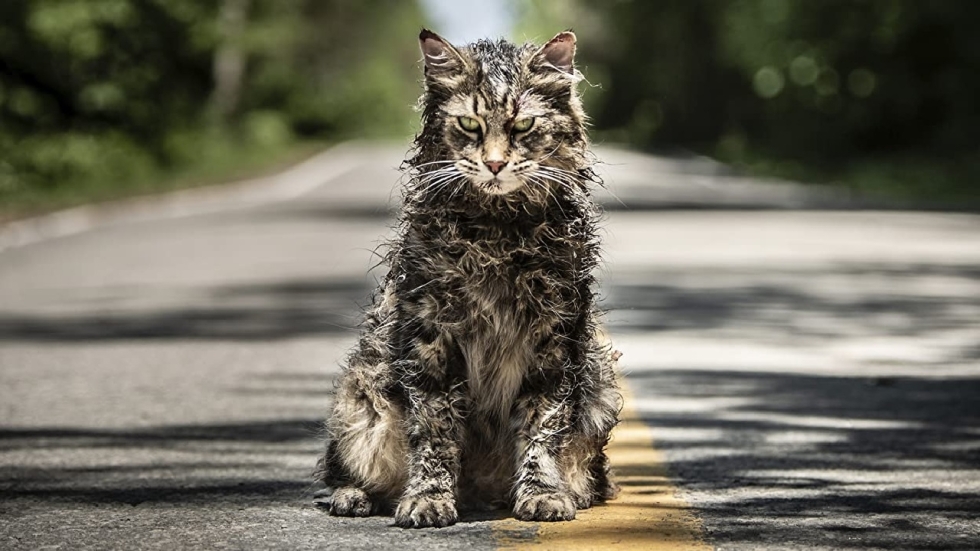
(647,515)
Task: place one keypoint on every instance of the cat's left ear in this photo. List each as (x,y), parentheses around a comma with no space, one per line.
(559,53)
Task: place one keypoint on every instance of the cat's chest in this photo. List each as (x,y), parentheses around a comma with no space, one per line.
(497,265)
(497,342)
(498,298)
(504,293)
(497,283)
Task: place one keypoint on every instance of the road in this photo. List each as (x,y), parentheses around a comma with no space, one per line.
(809,379)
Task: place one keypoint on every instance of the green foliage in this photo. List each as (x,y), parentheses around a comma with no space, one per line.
(866,77)
(103,94)
(828,90)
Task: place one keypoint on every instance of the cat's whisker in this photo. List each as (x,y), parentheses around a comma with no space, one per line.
(433,163)
(555,170)
(443,170)
(440,184)
(552,152)
(459,187)
(428,176)
(549,192)
(568,182)
(431,180)
(554,178)
(424,183)
(432,174)
(577,175)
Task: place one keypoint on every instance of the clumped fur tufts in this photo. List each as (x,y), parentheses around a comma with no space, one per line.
(479,378)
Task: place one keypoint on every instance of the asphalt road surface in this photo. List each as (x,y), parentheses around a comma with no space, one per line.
(810,377)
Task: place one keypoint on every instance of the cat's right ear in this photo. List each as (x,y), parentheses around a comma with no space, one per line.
(441,59)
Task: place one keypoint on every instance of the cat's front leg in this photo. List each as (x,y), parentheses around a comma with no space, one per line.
(543,415)
(434,459)
(435,432)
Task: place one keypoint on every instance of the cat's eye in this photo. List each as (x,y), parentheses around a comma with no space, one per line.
(469,124)
(523,125)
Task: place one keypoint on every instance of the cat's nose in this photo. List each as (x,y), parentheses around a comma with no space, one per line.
(495,166)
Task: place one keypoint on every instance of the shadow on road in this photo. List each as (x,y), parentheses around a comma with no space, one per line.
(181,464)
(783,304)
(793,450)
(767,456)
(257,461)
(240,312)
(871,440)
(819,302)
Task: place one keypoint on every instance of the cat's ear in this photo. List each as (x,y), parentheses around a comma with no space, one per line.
(559,53)
(441,58)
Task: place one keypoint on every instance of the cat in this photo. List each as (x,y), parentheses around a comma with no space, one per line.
(480,378)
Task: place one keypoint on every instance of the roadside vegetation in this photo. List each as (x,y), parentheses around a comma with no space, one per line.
(880,96)
(107,98)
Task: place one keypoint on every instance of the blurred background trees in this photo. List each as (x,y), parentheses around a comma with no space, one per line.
(879,95)
(102,95)
(98,95)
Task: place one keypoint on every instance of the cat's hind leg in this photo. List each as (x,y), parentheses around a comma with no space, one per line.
(351,501)
(584,462)
(587,471)
(367,445)
(575,464)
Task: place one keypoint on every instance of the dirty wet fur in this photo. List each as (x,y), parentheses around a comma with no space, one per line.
(479,379)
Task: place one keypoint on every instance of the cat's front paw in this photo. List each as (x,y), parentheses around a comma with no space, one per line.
(546,507)
(425,511)
(350,501)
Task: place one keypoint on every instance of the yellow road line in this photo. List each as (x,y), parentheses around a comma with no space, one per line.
(647,515)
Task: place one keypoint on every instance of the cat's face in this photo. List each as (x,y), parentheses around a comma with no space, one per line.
(503,116)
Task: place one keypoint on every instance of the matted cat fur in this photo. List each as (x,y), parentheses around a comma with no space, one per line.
(480,379)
